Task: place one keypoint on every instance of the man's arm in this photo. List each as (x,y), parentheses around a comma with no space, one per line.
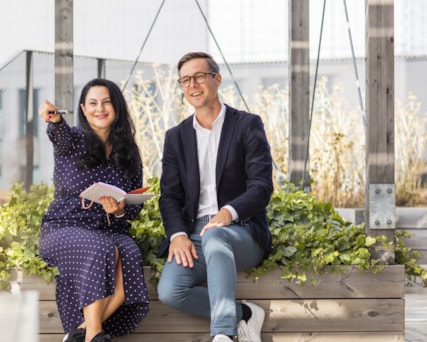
(258,171)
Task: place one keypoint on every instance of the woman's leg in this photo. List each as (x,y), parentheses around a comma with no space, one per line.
(98,312)
(118,298)
(93,318)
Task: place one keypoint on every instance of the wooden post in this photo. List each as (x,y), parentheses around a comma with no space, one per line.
(29,134)
(380,204)
(64,53)
(299,91)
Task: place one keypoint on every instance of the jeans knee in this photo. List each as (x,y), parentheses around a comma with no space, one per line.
(169,294)
(214,235)
(215,240)
(164,292)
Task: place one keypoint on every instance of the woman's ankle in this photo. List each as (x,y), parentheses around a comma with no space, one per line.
(90,335)
(101,337)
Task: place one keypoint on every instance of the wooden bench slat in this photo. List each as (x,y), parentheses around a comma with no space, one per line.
(282,316)
(276,337)
(389,283)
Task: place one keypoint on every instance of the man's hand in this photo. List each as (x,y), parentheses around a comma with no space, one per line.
(221,219)
(184,251)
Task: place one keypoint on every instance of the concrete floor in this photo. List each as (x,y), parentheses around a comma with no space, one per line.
(415,314)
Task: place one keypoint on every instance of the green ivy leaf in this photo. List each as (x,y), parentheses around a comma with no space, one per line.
(370,241)
(307,234)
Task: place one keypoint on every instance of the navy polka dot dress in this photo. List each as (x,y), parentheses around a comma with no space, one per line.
(81,242)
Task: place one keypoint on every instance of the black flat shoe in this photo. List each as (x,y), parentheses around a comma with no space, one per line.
(101,337)
(75,335)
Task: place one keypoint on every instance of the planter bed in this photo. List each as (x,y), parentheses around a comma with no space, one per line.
(353,306)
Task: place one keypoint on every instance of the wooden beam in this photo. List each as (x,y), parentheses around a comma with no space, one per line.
(380,191)
(64,55)
(299,90)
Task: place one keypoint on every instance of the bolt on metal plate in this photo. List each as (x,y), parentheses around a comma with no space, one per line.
(382,206)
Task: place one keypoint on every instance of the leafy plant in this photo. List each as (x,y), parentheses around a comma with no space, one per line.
(20,220)
(308,234)
(148,230)
(404,255)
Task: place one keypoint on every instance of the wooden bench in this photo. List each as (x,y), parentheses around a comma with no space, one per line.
(343,307)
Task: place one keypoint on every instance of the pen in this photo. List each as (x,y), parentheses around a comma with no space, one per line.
(59,112)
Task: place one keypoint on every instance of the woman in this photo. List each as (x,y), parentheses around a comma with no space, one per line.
(100,291)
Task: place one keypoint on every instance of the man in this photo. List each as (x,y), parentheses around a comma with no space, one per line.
(215,186)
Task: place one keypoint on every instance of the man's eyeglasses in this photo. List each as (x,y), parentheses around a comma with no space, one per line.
(199,78)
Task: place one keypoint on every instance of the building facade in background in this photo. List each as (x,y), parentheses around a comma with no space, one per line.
(249,36)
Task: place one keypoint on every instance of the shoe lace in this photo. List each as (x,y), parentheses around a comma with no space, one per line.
(243,332)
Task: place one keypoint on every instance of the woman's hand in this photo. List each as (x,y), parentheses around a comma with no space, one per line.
(45,110)
(111,206)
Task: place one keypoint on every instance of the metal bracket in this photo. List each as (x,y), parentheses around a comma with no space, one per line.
(382,206)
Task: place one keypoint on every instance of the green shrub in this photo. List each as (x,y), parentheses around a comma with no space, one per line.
(148,230)
(308,234)
(20,220)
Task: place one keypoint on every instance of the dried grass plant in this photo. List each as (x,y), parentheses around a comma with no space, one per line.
(337,136)
(337,148)
(411,143)
(155,105)
(272,105)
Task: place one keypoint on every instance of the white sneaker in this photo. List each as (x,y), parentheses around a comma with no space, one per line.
(221,338)
(251,331)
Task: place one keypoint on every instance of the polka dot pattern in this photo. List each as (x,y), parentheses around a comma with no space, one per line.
(81,243)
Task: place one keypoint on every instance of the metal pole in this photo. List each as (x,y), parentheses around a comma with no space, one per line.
(29,134)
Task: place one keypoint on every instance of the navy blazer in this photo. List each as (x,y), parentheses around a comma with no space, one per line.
(243,176)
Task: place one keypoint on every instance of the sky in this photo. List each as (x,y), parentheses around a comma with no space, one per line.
(244,30)
(118,28)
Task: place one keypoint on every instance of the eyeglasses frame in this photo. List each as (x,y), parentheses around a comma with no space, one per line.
(194,78)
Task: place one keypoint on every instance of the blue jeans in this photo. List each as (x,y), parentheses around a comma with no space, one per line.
(222,253)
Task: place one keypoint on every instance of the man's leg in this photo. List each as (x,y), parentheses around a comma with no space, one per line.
(180,287)
(227,250)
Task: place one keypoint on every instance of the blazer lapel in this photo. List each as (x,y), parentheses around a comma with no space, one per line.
(191,158)
(230,122)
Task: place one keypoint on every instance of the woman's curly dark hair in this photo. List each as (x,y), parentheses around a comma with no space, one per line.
(125,154)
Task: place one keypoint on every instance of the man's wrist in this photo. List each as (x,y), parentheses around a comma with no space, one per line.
(173,236)
(233,212)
